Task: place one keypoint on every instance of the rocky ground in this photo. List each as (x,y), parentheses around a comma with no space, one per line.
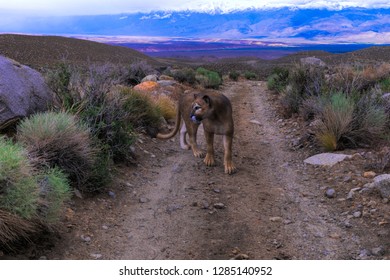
(171,206)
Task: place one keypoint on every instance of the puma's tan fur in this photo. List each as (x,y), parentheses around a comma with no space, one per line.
(214,111)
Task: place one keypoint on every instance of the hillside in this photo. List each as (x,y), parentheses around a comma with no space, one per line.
(46,51)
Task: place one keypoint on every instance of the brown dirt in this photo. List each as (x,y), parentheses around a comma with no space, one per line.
(171,206)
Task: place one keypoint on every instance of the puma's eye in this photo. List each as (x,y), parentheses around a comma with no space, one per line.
(197,107)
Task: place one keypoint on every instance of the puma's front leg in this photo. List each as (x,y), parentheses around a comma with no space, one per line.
(192,130)
(209,159)
(228,163)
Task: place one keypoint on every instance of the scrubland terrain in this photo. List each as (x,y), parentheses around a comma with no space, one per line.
(167,204)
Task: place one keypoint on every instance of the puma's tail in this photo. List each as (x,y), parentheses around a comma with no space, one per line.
(175,130)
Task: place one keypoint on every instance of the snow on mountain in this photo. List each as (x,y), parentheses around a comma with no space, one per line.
(351,25)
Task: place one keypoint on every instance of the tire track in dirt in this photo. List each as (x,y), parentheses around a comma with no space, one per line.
(198,212)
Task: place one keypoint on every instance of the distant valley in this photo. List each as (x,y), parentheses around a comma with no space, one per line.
(216,50)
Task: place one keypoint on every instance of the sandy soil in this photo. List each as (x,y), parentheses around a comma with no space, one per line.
(171,206)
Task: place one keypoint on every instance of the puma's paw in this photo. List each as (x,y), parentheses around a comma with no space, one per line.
(230,168)
(209,160)
(198,153)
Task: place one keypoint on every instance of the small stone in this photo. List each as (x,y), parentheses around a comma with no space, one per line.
(219,205)
(276,219)
(364,253)
(96,256)
(255,122)
(330,193)
(105,227)
(143,200)
(357,214)
(378,251)
(369,174)
(86,238)
(112,194)
(217,190)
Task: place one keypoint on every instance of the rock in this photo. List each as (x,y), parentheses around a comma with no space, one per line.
(352,192)
(219,205)
(96,256)
(166,78)
(255,122)
(143,200)
(378,251)
(166,83)
(86,238)
(147,87)
(369,174)
(23,92)
(382,184)
(357,214)
(276,219)
(326,159)
(312,61)
(330,193)
(112,194)
(150,78)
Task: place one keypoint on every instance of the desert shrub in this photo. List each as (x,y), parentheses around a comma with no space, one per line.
(185,75)
(234,75)
(349,123)
(57,139)
(336,122)
(143,113)
(278,79)
(304,81)
(166,106)
(369,122)
(14,228)
(385,84)
(54,191)
(137,71)
(18,187)
(207,78)
(250,75)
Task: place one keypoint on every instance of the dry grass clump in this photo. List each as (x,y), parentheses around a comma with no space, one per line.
(346,100)
(29,198)
(335,122)
(18,187)
(58,140)
(14,228)
(166,106)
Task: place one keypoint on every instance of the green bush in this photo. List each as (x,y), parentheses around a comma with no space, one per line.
(185,75)
(385,85)
(336,122)
(58,140)
(304,81)
(278,80)
(54,191)
(250,75)
(234,75)
(346,123)
(207,78)
(18,187)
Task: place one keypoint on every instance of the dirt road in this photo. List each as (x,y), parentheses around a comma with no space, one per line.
(171,206)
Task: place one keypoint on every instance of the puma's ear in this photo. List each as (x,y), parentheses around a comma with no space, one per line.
(207,99)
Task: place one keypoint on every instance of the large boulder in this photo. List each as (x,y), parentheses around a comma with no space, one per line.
(23,91)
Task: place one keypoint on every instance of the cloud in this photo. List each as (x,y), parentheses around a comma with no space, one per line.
(96,7)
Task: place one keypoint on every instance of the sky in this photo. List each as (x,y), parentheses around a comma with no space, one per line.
(96,7)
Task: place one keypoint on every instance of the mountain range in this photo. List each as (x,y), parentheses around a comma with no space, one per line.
(286,25)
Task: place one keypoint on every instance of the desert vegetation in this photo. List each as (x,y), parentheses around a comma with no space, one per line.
(347,105)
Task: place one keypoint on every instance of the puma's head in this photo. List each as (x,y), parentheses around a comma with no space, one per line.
(201,107)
